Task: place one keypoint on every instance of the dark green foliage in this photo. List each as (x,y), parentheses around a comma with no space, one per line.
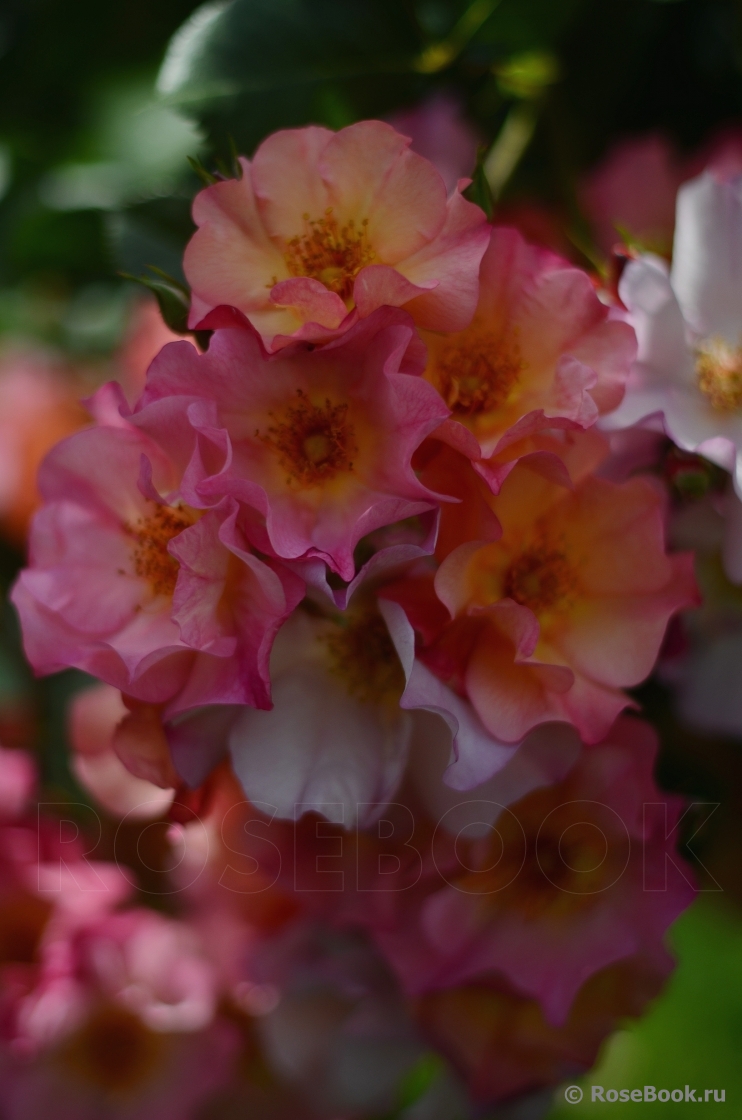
(268,64)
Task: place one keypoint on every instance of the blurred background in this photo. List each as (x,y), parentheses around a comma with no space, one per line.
(111,115)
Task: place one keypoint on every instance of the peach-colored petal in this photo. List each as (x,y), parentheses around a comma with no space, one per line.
(539,349)
(378,285)
(371,174)
(509,698)
(289,187)
(452,259)
(615,640)
(230,259)
(311,300)
(621,537)
(140,743)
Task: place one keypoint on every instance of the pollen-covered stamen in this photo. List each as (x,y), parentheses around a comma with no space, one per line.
(540,578)
(330,253)
(362,654)
(314,442)
(475,373)
(151,535)
(114,1051)
(719,373)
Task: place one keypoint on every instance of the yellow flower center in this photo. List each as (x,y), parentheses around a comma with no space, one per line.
(474,372)
(150,556)
(313,442)
(540,578)
(363,655)
(719,373)
(114,1051)
(330,253)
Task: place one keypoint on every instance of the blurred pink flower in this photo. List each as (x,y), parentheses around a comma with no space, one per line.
(152,965)
(503,1046)
(56,895)
(441,133)
(93,718)
(112,1065)
(17,781)
(587,877)
(322,223)
(38,406)
(633,188)
(338,1029)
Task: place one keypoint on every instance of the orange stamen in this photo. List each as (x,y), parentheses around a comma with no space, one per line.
(332,254)
(150,556)
(314,442)
(474,372)
(540,578)
(719,373)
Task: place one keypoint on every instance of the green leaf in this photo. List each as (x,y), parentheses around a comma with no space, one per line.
(416,1083)
(479,191)
(171,297)
(174,300)
(205,176)
(259,65)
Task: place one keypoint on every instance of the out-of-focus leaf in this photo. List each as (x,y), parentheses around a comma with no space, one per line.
(526,25)
(153,233)
(527,75)
(67,244)
(257,65)
(138,150)
(439,55)
(419,1079)
(507,150)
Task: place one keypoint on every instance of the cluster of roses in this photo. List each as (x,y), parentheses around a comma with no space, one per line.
(276,993)
(371,546)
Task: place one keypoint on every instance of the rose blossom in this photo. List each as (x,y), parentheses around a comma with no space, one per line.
(321,223)
(554,617)
(163,601)
(336,741)
(689,367)
(318,441)
(571,879)
(540,350)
